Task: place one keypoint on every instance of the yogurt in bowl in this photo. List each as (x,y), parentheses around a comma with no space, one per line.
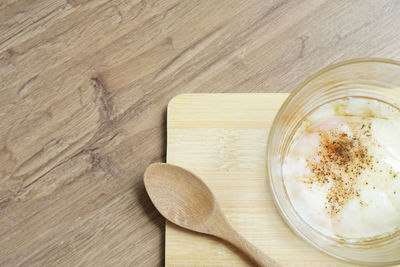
(342,169)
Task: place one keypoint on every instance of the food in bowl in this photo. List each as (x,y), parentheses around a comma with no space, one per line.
(342,169)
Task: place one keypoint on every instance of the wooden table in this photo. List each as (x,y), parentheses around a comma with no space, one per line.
(84,89)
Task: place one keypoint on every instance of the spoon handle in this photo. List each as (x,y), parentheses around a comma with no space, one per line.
(256,255)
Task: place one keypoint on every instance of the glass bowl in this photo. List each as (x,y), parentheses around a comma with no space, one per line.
(371,78)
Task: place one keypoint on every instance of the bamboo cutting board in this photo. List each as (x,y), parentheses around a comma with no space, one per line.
(222,138)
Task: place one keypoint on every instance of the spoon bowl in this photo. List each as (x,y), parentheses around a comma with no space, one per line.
(179,195)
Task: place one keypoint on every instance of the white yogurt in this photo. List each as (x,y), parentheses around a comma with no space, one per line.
(342,170)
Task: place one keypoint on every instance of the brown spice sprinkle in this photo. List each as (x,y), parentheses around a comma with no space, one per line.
(340,162)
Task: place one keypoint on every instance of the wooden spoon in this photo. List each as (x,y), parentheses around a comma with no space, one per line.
(184,199)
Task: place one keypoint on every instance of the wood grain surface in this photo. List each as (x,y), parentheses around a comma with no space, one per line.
(83,96)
